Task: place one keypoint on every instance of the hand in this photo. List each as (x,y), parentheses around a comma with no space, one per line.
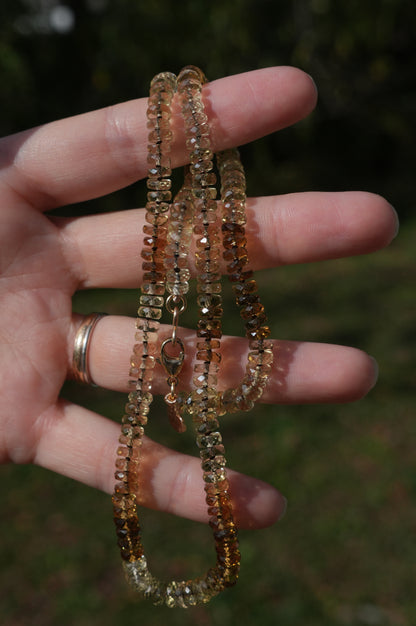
(44,261)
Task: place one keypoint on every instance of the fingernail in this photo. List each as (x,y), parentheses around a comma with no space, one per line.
(375,371)
(396,232)
(284,509)
(314,83)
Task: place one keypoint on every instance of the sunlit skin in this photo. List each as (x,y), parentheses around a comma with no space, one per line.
(44,261)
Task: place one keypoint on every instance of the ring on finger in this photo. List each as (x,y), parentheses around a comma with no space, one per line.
(80,366)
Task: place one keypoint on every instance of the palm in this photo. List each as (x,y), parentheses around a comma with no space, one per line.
(43,262)
(36,289)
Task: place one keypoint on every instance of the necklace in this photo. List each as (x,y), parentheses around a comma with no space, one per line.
(218,228)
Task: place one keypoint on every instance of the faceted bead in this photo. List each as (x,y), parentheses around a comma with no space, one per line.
(210,288)
(207,441)
(205,179)
(234,253)
(159,171)
(261,345)
(163,80)
(146,336)
(209,477)
(228,401)
(207,265)
(181,275)
(156,219)
(153,277)
(244,403)
(203,143)
(141,372)
(205,218)
(121,463)
(229,228)
(154,313)
(251,309)
(155,136)
(178,289)
(199,118)
(201,153)
(221,474)
(202,165)
(208,426)
(176,254)
(204,380)
(209,300)
(207,194)
(209,277)
(223,486)
(256,322)
(209,231)
(265,357)
(192,72)
(209,328)
(235,194)
(204,246)
(121,488)
(247,299)
(259,333)
(208,355)
(158,160)
(237,264)
(151,301)
(236,179)
(206,398)
(154,289)
(211,452)
(159,196)
(208,344)
(240,276)
(140,396)
(249,286)
(156,264)
(158,185)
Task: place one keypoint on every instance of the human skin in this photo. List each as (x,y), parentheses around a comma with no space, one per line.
(45,260)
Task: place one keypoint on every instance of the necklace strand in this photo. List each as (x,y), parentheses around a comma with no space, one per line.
(168,232)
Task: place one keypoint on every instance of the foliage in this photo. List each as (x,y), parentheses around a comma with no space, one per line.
(361,55)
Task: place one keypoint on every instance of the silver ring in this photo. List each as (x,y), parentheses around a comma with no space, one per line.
(80,369)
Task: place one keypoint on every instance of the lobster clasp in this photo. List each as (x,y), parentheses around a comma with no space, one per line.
(172,363)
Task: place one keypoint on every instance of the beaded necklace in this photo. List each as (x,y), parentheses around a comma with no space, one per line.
(170,227)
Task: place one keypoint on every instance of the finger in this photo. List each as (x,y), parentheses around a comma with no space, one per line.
(302,372)
(82,445)
(295,228)
(96,153)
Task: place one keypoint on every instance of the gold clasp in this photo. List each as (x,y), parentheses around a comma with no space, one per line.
(172,364)
(172,361)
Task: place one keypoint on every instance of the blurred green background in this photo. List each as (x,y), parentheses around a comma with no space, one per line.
(345,552)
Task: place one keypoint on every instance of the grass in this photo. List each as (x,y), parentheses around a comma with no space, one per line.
(345,552)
